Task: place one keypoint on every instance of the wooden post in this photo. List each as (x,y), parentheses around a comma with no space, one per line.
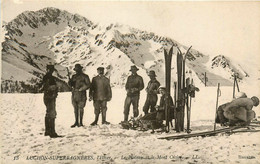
(237,84)
(205,79)
(216,108)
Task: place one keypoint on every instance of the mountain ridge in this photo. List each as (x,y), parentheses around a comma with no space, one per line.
(50,35)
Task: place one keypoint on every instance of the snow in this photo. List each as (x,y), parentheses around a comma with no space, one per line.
(22,120)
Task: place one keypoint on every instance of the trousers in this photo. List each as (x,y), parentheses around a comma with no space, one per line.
(50,104)
(134,100)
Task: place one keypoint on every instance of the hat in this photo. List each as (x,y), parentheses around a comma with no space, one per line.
(100,68)
(134,68)
(50,67)
(77,66)
(255,100)
(163,88)
(151,73)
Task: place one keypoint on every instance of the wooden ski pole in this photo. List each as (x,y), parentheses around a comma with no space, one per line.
(234,86)
(218,91)
(237,85)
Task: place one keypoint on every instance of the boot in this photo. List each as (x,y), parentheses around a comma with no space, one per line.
(47,126)
(96,120)
(81,118)
(53,133)
(125,118)
(76,120)
(104,119)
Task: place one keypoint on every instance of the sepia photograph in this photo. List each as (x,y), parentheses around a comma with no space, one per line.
(130,82)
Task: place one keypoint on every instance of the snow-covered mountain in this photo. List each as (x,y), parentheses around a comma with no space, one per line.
(34,39)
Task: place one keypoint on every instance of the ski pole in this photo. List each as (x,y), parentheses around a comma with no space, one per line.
(234,86)
(237,84)
(218,94)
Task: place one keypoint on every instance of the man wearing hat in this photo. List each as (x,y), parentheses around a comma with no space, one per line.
(134,85)
(239,111)
(100,92)
(79,83)
(152,90)
(50,89)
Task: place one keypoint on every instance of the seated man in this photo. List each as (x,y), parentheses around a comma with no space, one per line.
(161,108)
(239,111)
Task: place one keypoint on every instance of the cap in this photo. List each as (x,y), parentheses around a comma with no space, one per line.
(255,100)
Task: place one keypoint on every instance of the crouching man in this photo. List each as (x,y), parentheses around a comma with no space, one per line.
(239,111)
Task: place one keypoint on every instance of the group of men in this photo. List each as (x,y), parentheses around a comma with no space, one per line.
(100,92)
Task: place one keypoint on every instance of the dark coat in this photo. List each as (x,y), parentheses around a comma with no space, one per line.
(134,85)
(79,83)
(161,109)
(100,88)
(152,87)
(49,86)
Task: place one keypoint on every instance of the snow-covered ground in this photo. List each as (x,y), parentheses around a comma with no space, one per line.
(22,129)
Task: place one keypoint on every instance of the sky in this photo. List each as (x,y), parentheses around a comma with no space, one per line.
(228,28)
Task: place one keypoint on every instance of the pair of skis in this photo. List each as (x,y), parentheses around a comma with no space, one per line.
(181,96)
(182,93)
(230,130)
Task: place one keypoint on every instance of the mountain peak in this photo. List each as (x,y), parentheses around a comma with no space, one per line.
(45,16)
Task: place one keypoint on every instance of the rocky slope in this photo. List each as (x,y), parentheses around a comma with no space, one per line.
(34,39)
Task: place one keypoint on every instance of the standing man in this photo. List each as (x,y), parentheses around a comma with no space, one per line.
(134,85)
(50,89)
(152,90)
(100,92)
(80,83)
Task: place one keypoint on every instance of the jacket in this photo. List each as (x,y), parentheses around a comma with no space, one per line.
(161,109)
(100,88)
(134,85)
(247,103)
(152,87)
(49,86)
(79,83)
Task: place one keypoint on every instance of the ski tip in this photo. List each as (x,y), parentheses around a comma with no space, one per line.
(171,50)
(165,52)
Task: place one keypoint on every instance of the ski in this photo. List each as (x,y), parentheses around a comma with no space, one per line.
(203,134)
(175,102)
(179,107)
(168,60)
(188,104)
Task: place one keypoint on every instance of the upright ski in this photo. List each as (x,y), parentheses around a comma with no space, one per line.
(188,100)
(168,61)
(179,107)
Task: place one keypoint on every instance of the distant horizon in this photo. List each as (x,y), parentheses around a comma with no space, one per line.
(231,29)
